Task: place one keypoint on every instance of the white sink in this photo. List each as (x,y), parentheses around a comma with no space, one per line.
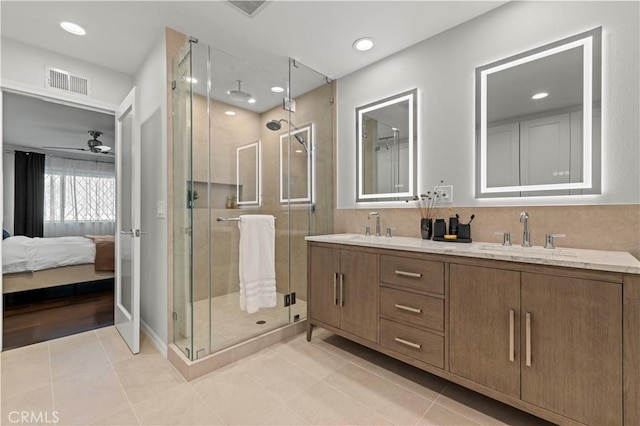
(534,251)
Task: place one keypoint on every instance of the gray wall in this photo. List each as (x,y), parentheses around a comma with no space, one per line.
(152,113)
(442,68)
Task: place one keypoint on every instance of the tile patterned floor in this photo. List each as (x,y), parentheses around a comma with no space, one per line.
(92,378)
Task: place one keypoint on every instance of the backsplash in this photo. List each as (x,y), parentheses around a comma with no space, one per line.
(605,227)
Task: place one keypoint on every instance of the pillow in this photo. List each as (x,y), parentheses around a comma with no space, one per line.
(5,234)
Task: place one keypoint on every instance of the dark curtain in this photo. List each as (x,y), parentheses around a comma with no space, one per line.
(29,199)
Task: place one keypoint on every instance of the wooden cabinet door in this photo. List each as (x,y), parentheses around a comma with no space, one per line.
(575,340)
(323,300)
(359,314)
(484,306)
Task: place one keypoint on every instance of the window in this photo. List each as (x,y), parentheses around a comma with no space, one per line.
(80,197)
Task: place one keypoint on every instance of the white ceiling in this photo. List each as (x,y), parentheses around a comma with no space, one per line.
(317,34)
(36,124)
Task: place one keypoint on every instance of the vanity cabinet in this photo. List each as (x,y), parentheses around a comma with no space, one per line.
(546,339)
(552,341)
(344,290)
(484,338)
(572,328)
(412,308)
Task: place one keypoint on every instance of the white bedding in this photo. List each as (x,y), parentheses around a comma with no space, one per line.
(21,253)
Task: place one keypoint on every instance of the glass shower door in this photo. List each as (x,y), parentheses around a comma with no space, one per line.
(182,218)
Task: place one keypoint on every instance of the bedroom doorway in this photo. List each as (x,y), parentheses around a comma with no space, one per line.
(69,301)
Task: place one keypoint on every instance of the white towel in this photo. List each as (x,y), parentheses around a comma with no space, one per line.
(257,262)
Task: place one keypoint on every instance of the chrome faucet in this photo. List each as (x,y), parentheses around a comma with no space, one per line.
(377,215)
(526,237)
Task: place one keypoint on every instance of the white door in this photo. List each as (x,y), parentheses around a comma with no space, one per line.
(127,285)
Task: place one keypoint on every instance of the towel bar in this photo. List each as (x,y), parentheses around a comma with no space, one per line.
(233,219)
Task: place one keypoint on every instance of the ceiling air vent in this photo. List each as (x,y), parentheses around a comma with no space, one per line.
(62,80)
(248,7)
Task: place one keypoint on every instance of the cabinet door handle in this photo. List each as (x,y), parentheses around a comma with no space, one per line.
(528,339)
(408,274)
(408,308)
(512,337)
(335,288)
(408,343)
(341,289)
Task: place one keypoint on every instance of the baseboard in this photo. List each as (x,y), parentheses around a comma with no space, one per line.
(157,341)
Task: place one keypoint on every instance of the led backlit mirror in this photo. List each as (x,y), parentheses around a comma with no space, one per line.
(538,120)
(248,180)
(386,148)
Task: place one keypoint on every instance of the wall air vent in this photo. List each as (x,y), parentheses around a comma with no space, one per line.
(249,8)
(62,80)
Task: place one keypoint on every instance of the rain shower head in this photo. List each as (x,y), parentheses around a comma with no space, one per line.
(275,125)
(239,95)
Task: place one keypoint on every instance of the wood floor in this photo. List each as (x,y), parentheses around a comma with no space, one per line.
(40,315)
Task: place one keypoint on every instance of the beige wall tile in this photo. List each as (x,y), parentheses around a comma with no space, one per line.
(605,227)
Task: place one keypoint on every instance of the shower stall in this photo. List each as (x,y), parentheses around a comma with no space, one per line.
(244,141)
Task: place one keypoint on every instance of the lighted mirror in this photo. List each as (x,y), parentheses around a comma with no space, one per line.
(387,148)
(295,156)
(248,180)
(538,121)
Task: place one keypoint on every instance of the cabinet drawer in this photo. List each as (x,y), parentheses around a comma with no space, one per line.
(422,345)
(412,308)
(424,275)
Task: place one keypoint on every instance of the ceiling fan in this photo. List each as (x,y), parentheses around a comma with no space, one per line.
(95,146)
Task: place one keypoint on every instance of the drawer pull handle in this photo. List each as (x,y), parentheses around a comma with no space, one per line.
(408,308)
(335,287)
(408,274)
(408,343)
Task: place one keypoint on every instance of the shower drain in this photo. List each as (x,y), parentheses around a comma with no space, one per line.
(261,322)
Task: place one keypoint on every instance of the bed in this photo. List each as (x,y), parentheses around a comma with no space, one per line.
(35,263)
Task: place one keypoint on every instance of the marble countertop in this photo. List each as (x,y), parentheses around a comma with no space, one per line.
(601,260)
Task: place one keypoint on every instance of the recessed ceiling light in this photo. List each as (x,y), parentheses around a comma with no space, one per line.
(252,101)
(72,28)
(231,113)
(540,95)
(277,89)
(363,44)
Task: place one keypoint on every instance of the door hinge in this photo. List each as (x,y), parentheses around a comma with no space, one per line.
(175,316)
(289,299)
(173,84)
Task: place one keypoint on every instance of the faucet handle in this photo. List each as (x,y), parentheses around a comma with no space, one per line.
(367,230)
(548,240)
(388,233)
(506,237)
